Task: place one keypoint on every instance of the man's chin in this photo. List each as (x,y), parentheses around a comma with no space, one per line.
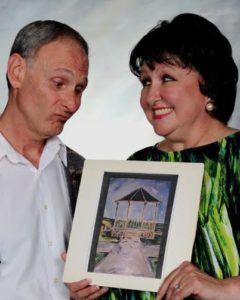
(55,131)
(58,131)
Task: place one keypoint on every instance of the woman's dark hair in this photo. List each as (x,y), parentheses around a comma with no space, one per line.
(191,41)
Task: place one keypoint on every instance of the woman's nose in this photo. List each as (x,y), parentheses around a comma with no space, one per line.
(155,93)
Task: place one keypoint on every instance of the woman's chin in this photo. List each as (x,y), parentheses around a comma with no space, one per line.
(162,131)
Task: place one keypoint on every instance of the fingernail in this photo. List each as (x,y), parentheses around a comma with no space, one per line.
(89,280)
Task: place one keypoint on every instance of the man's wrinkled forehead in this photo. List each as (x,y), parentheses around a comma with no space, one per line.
(33,51)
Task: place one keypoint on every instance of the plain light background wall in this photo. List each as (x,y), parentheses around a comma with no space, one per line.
(110,123)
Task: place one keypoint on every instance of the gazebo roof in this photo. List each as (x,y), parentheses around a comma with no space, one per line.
(139,195)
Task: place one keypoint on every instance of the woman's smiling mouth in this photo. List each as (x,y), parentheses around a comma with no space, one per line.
(160,113)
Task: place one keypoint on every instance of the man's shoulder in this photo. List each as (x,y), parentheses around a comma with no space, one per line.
(74,155)
(74,168)
(74,159)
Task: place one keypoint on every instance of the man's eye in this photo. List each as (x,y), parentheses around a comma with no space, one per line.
(79,90)
(58,83)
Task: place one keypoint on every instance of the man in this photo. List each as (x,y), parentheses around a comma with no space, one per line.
(39,176)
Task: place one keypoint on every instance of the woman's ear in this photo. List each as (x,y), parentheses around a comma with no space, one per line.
(16,70)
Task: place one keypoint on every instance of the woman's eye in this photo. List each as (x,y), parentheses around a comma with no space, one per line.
(145,82)
(167,78)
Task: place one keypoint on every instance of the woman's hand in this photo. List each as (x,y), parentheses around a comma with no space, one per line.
(187,280)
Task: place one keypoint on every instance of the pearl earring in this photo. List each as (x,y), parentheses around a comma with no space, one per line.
(210,106)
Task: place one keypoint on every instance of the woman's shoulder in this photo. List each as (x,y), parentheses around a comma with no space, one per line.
(234,135)
(231,140)
(144,153)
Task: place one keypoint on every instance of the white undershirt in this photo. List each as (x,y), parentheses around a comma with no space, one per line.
(35,222)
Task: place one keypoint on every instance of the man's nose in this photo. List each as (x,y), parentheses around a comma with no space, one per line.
(72,101)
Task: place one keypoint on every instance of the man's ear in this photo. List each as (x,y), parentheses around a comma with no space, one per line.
(16,70)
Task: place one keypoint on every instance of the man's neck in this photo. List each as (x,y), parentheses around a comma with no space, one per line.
(28,146)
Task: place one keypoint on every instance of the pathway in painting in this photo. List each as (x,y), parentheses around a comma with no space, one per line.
(125,258)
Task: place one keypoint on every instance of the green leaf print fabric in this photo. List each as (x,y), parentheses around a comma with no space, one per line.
(217,244)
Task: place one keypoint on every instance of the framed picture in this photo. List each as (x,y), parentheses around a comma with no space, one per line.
(135,221)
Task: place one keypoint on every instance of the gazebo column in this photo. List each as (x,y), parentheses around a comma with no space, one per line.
(116,211)
(155,217)
(128,213)
(156,206)
(143,212)
(116,215)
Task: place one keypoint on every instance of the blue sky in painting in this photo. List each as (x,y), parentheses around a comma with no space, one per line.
(119,187)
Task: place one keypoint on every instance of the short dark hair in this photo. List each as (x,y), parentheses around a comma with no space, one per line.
(39,33)
(190,40)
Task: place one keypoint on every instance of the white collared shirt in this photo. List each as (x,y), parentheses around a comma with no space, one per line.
(35,222)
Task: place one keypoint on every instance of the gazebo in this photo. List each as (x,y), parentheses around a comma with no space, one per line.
(130,225)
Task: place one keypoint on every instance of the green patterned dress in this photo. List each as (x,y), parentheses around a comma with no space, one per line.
(217,244)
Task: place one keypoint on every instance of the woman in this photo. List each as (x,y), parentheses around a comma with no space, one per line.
(188,94)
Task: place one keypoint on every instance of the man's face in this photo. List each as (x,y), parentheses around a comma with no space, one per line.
(52,87)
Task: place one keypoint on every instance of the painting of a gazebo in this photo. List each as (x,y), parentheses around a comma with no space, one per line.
(132,223)
(135,224)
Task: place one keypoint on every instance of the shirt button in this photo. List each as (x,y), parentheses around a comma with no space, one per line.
(45,207)
(50,243)
(55,280)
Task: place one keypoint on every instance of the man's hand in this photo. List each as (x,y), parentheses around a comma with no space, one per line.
(83,290)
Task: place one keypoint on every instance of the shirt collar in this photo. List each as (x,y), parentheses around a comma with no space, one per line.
(7,150)
(56,143)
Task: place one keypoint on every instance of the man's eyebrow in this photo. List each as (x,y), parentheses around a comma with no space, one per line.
(83,81)
(64,70)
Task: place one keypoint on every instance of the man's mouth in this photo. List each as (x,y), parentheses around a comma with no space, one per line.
(63,117)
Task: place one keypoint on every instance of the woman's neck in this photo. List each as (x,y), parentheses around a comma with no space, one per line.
(192,140)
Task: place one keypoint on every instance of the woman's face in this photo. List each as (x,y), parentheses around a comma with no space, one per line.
(172,100)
